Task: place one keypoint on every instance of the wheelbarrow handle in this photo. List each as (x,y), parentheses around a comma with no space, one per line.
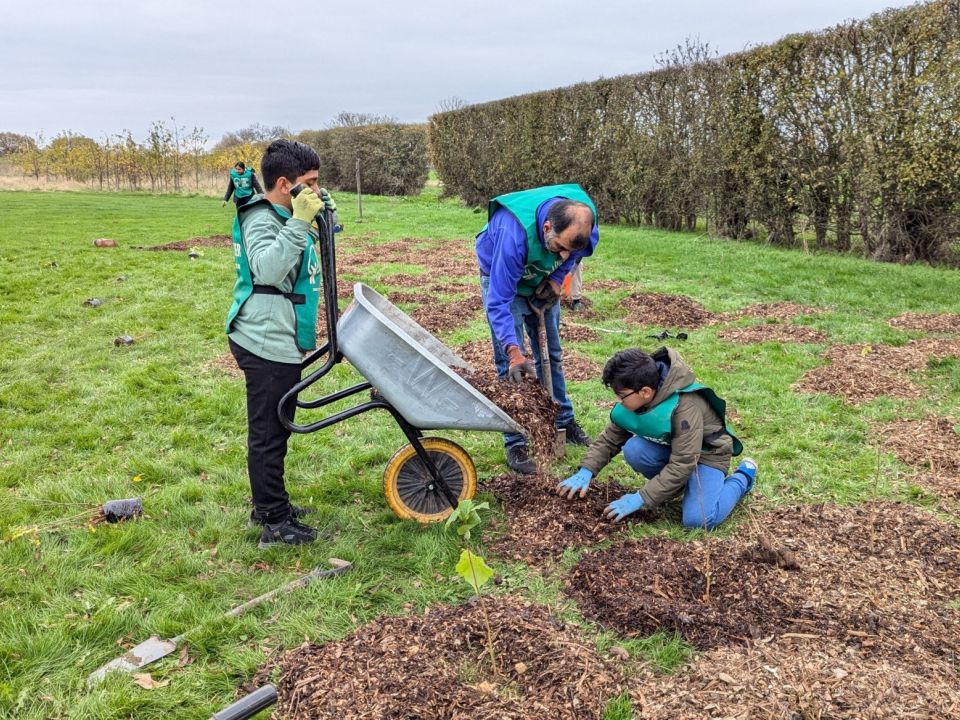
(249,705)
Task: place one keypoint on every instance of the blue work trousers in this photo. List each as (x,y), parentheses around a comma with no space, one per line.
(525,317)
(709,497)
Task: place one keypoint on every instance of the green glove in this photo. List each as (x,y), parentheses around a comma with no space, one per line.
(328,202)
(306,205)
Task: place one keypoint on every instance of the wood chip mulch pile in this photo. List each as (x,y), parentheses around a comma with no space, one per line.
(415,298)
(862,372)
(572,332)
(652,309)
(773,311)
(212,241)
(541,524)
(948,323)
(799,679)
(878,577)
(772,332)
(527,403)
(607,284)
(438,317)
(931,446)
(435,665)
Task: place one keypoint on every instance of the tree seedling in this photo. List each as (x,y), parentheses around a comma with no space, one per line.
(471,567)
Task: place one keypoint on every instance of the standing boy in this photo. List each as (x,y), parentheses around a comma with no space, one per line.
(272,322)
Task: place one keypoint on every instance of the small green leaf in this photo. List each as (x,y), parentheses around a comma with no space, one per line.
(474,570)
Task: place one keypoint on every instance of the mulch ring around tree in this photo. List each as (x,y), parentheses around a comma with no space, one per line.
(931,447)
(607,284)
(862,372)
(212,241)
(948,323)
(797,679)
(527,403)
(876,577)
(450,258)
(423,283)
(652,309)
(436,317)
(773,311)
(772,332)
(573,332)
(540,524)
(436,665)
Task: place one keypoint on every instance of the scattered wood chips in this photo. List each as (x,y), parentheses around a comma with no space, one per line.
(449,258)
(436,665)
(862,372)
(774,311)
(948,323)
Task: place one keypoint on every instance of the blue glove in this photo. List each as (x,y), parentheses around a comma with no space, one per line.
(619,509)
(578,482)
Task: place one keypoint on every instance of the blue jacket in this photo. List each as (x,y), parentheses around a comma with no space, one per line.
(502,254)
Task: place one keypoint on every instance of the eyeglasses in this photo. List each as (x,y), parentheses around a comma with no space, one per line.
(621,398)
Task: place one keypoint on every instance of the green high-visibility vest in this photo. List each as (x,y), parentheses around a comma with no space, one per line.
(242,183)
(306,289)
(655,423)
(523,206)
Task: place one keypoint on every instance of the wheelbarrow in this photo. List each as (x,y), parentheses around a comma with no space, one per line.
(408,373)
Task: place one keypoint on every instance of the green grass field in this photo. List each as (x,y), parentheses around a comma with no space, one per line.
(83,421)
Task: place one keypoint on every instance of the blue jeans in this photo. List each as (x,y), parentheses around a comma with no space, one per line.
(709,497)
(524,317)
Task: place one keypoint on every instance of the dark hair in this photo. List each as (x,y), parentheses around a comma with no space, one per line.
(562,214)
(289,159)
(632,369)
(240,164)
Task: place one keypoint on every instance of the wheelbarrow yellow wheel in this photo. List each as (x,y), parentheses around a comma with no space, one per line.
(406,481)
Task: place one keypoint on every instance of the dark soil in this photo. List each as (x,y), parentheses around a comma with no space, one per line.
(527,403)
(948,323)
(436,665)
(213,241)
(931,447)
(773,311)
(666,311)
(772,332)
(877,577)
(863,372)
(541,524)
(438,317)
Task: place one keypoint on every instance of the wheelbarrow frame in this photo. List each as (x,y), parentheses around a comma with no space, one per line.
(331,351)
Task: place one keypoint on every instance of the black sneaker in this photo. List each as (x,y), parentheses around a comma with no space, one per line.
(296,512)
(286,532)
(576,435)
(518,458)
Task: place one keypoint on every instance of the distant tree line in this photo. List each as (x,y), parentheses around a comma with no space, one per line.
(848,138)
(392,157)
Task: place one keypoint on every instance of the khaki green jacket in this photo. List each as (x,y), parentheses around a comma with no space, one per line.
(265,324)
(697,435)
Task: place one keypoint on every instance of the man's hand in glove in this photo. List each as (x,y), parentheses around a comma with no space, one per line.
(306,205)
(576,483)
(546,294)
(520,367)
(328,202)
(626,505)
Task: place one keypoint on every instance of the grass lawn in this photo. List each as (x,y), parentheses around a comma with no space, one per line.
(83,421)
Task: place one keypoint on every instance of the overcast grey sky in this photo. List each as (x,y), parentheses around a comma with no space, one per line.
(100,66)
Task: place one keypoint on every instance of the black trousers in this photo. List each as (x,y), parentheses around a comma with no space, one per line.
(267,382)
